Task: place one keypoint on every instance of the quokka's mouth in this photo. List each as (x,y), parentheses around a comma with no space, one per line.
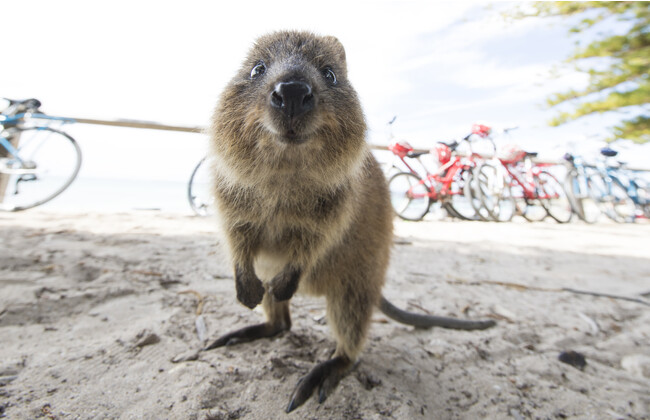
(291,136)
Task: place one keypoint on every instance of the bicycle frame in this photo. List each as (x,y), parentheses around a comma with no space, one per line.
(13,120)
(11,149)
(617,175)
(449,171)
(444,175)
(525,178)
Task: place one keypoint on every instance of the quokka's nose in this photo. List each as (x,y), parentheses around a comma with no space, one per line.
(293,98)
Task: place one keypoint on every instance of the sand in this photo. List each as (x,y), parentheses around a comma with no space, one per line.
(98,320)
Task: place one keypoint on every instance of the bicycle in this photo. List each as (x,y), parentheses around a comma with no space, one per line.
(37,162)
(198,189)
(525,188)
(413,194)
(585,189)
(620,196)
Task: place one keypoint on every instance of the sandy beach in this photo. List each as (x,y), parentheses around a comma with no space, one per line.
(99,316)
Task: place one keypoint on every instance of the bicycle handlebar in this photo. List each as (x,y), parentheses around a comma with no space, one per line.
(21,105)
(416,154)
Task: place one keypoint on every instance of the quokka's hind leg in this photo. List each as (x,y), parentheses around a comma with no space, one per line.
(349,318)
(278,320)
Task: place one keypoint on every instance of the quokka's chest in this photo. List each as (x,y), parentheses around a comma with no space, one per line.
(290,207)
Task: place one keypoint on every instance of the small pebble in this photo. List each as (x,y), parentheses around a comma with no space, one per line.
(147,339)
(186,357)
(573,358)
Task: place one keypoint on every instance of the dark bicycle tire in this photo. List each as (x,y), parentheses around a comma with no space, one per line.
(199,208)
(558,208)
(28,150)
(623,205)
(643,199)
(451,211)
(495,193)
(585,204)
(599,192)
(591,206)
(405,207)
(473,195)
(570,185)
(574,194)
(460,204)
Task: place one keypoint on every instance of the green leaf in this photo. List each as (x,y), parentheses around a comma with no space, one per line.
(623,82)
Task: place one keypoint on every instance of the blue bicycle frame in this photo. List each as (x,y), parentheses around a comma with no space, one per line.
(617,175)
(8,120)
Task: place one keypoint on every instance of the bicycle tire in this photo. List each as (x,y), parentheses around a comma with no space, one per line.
(472,194)
(405,205)
(459,204)
(584,203)
(199,207)
(530,209)
(495,194)
(623,205)
(643,200)
(450,211)
(572,189)
(50,166)
(599,192)
(558,207)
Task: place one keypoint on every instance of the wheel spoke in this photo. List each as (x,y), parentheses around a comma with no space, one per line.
(409,196)
(49,162)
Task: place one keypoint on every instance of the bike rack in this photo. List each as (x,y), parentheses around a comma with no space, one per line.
(134,124)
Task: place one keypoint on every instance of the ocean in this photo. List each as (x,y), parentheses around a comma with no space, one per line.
(118,195)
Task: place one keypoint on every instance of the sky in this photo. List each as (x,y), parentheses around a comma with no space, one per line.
(437,66)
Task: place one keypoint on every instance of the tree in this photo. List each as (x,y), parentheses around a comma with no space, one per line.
(618,65)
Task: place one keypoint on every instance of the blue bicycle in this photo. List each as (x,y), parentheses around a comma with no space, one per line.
(605,188)
(586,189)
(37,162)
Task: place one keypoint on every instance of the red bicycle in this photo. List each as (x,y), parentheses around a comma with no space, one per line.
(412,195)
(516,185)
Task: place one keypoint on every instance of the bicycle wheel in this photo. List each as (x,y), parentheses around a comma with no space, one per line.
(473,196)
(198,189)
(409,196)
(495,194)
(572,188)
(624,206)
(48,161)
(583,198)
(530,209)
(599,193)
(553,197)
(459,202)
(643,200)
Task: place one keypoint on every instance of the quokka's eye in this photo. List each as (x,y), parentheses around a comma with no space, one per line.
(258,70)
(329,74)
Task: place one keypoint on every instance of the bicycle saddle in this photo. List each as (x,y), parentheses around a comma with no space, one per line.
(453,145)
(31,103)
(606,151)
(416,154)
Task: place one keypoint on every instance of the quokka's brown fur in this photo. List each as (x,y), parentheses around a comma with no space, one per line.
(302,201)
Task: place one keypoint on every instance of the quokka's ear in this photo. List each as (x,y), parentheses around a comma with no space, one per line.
(336,45)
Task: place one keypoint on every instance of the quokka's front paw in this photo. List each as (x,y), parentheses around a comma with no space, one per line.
(250,289)
(284,284)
